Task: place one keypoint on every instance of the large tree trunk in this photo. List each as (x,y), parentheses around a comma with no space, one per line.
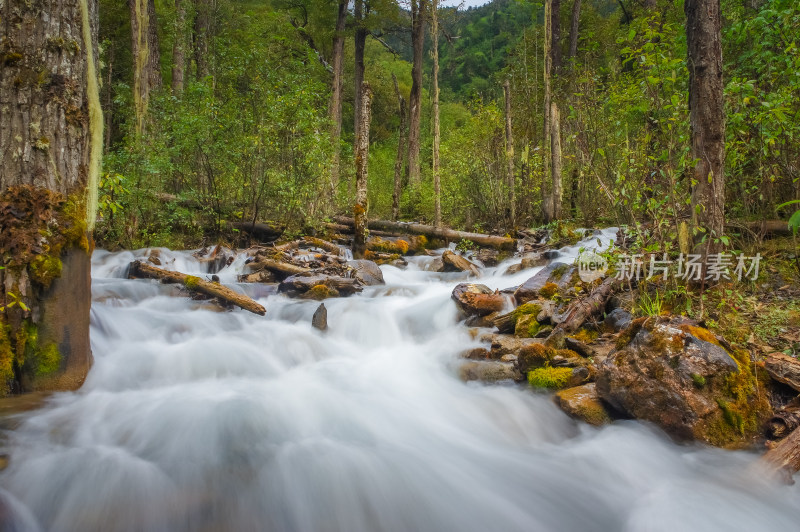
(418,8)
(547,205)
(362,158)
(51,141)
(179,48)
(437,186)
(335,110)
(555,35)
(358,73)
(512,199)
(401,152)
(706,119)
(144,51)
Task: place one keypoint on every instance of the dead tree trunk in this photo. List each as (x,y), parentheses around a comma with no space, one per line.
(335,110)
(555,153)
(362,158)
(179,48)
(706,119)
(582,309)
(418,8)
(437,186)
(139,269)
(51,143)
(358,72)
(401,152)
(512,199)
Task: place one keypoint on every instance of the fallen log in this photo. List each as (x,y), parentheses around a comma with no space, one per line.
(262,231)
(784,458)
(783,422)
(762,227)
(348,230)
(142,270)
(330,247)
(582,309)
(429,231)
(784,369)
(458,263)
(281,269)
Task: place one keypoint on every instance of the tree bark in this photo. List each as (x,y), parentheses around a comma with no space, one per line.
(418,9)
(449,235)
(512,198)
(335,110)
(555,152)
(362,159)
(547,205)
(401,152)
(358,73)
(784,369)
(144,51)
(555,35)
(139,269)
(707,120)
(582,309)
(437,186)
(179,48)
(784,458)
(573,31)
(51,142)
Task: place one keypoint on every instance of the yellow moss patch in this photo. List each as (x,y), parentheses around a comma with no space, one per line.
(585,336)
(700,333)
(549,290)
(320,292)
(44,269)
(527,309)
(550,378)
(191,281)
(526,326)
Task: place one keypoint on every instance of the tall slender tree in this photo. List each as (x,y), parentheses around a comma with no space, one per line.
(512,197)
(437,185)
(335,108)
(401,151)
(179,48)
(362,160)
(706,120)
(146,63)
(360,10)
(419,10)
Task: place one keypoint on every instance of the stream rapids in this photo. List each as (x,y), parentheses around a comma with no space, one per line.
(197,419)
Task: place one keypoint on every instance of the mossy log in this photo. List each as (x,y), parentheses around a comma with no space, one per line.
(459,263)
(139,269)
(506,323)
(784,369)
(784,422)
(330,247)
(450,235)
(281,269)
(582,309)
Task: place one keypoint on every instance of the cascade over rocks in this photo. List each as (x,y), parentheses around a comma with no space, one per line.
(477,299)
(556,273)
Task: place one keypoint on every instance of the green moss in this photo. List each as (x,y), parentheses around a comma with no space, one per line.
(6,358)
(48,361)
(550,378)
(527,326)
(525,309)
(44,269)
(698,380)
(586,336)
(191,281)
(320,291)
(628,334)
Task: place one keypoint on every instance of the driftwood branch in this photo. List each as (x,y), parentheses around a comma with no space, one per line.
(582,309)
(139,269)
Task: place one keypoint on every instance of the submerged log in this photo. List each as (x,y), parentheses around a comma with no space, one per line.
(450,235)
(784,369)
(142,270)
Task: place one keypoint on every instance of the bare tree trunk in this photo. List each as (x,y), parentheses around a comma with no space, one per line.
(401,152)
(573,31)
(202,30)
(51,143)
(437,186)
(362,158)
(360,44)
(179,48)
(418,8)
(555,167)
(555,35)
(512,197)
(335,110)
(706,119)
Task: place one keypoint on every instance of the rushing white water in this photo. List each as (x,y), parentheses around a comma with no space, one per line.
(195,419)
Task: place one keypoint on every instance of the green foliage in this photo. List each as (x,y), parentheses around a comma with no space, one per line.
(550,378)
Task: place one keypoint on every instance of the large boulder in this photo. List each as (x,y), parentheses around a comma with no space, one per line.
(477,299)
(681,378)
(367,272)
(454,262)
(556,276)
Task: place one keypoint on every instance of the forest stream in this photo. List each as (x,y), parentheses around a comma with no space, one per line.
(199,419)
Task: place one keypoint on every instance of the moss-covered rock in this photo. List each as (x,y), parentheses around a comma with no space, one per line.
(556,378)
(680,377)
(583,403)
